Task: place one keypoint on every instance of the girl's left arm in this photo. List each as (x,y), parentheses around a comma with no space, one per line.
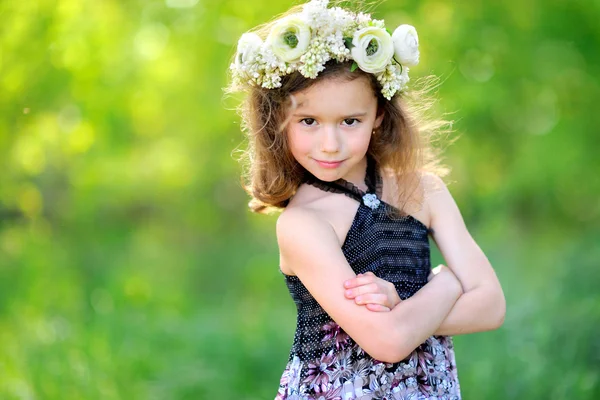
(482,306)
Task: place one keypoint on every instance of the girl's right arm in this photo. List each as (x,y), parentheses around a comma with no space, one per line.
(309,247)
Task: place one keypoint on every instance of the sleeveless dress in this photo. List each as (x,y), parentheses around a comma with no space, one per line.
(324,362)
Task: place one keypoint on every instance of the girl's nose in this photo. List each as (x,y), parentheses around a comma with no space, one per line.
(330,141)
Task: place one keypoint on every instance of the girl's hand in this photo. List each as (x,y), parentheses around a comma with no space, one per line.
(373,292)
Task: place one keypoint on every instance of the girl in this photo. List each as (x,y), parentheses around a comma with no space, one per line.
(334,143)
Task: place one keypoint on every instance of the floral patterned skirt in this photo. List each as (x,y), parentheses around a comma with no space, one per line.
(429,372)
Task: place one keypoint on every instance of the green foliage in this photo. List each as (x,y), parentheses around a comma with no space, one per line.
(129,264)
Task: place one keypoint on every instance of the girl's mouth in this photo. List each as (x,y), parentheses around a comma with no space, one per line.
(329,164)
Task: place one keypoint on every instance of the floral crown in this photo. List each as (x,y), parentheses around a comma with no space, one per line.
(305,41)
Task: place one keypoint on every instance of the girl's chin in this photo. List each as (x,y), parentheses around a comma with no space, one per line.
(327,175)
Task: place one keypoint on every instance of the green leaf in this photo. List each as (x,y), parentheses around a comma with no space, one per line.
(348,43)
(353,67)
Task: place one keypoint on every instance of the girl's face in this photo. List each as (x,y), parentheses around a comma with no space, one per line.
(330,130)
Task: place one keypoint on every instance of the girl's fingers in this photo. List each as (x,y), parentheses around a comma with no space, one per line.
(377,308)
(362,290)
(371,298)
(359,280)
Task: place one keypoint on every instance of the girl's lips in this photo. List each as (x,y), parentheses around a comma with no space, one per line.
(329,164)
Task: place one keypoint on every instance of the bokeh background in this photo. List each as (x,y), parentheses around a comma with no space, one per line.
(130,267)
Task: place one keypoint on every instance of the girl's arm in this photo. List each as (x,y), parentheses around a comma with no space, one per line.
(310,249)
(482,305)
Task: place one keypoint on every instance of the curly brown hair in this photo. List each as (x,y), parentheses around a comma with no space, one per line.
(402,146)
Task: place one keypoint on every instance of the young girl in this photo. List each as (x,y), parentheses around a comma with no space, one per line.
(334,143)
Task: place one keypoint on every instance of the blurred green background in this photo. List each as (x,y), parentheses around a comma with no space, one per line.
(130,267)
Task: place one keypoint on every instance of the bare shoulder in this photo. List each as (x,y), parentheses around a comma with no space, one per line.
(435,191)
(445,214)
(417,192)
(301,230)
(307,205)
(432,186)
(304,220)
(295,220)
(431,181)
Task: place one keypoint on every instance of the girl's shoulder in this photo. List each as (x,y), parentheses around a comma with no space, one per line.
(314,210)
(412,192)
(304,217)
(431,202)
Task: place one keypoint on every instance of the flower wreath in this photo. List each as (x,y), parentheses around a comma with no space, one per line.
(305,41)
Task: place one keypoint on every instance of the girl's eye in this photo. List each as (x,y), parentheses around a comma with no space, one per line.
(312,121)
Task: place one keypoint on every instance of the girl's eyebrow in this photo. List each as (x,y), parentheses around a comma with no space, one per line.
(357,114)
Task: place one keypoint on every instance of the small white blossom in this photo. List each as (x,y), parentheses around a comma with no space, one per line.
(363,20)
(393,79)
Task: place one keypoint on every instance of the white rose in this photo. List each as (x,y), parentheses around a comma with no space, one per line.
(373,49)
(406,45)
(248,45)
(289,38)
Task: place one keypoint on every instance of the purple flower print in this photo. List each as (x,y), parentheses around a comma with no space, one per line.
(343,367)
(319,370)
(361,369)
(380,386)
(345,372)
(334,331)
(331,394)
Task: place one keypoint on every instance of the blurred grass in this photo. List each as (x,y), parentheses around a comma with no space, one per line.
(130,268)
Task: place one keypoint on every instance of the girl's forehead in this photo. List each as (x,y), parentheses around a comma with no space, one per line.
(336,94)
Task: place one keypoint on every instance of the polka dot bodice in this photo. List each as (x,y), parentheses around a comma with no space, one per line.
(323,358)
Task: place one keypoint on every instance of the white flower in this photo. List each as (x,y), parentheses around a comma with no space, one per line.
(289,38)
(373,49)
(248,46)
(406,45)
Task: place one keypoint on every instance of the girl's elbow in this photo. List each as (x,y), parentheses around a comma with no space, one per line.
(401,353)
(394,347)
(500,311)
(383,350)
(391,354)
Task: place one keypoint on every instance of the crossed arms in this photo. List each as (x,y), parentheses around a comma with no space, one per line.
(465,297)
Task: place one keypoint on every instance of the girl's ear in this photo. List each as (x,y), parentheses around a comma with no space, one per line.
(379,118)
